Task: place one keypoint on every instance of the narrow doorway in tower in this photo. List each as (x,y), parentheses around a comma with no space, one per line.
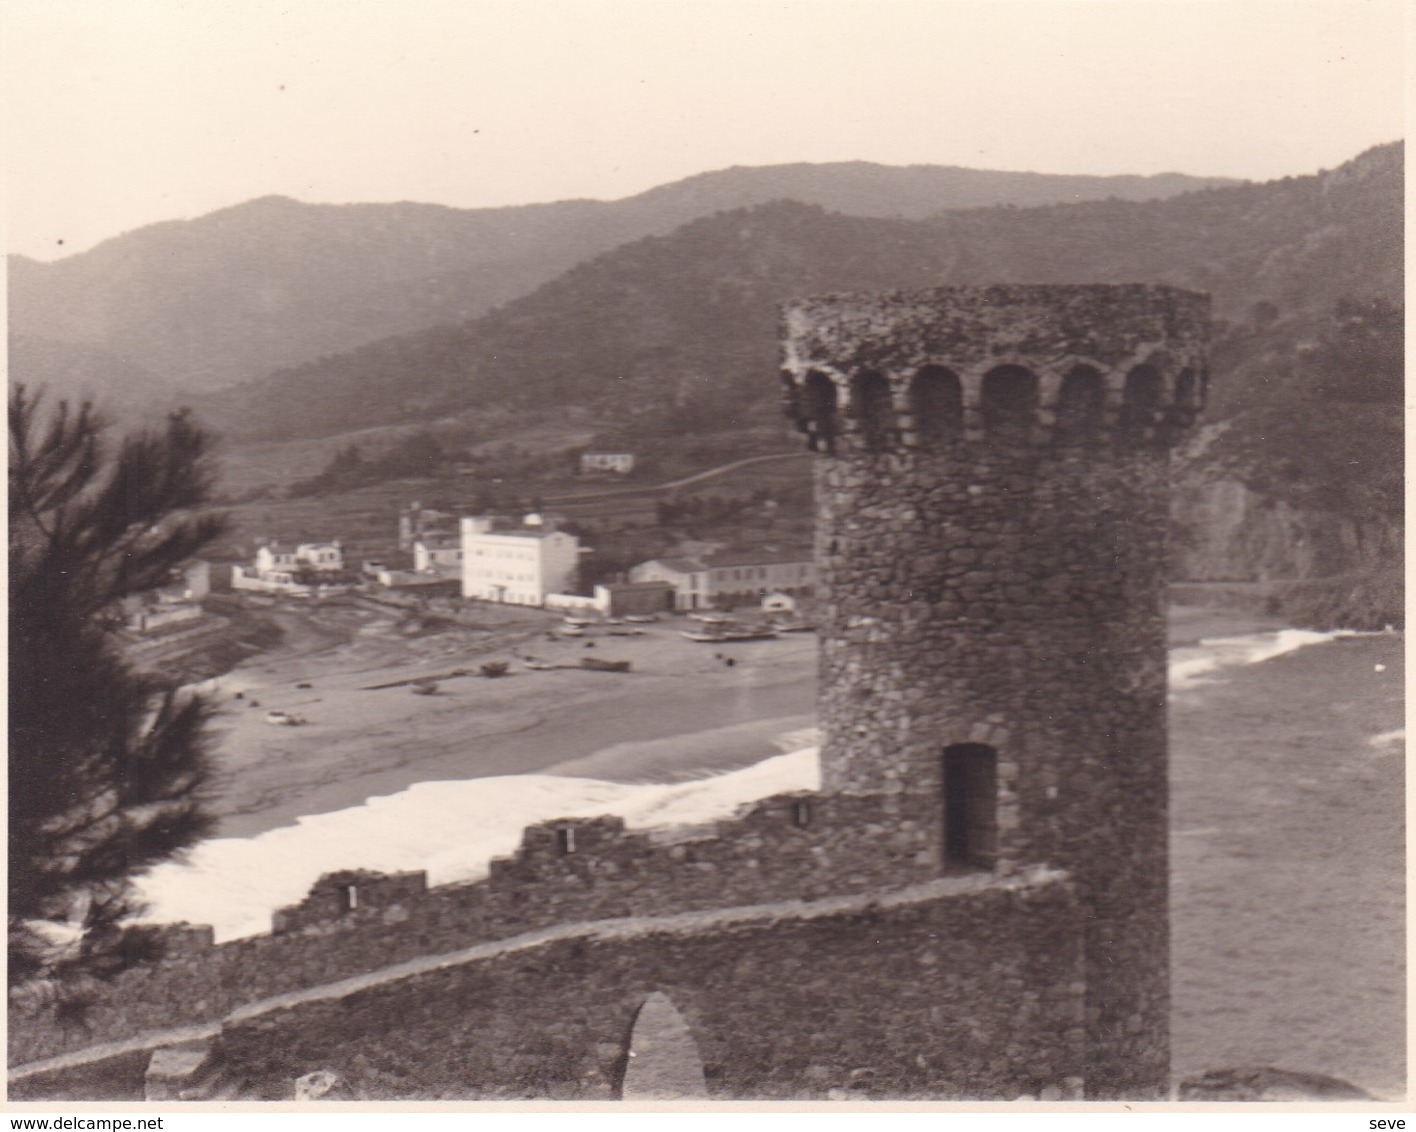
(970,806)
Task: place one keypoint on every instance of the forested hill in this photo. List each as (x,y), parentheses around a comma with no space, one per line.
(1296,472)
(687,321)
(273,282)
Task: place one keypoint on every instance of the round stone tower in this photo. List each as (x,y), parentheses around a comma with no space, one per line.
(991,545)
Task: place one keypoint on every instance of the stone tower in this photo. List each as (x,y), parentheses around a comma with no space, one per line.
(992,505)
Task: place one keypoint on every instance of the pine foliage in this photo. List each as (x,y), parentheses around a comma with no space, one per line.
(107,765)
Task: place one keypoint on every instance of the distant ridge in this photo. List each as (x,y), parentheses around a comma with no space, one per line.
(689,318)
(274,282)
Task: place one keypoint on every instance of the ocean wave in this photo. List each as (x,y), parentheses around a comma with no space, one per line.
(1193,665)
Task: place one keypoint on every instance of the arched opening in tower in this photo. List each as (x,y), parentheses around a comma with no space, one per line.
(1009,401)
(937,405)
(872,410)
(1140,400)
(1080,404)
(819,402)
(970,806)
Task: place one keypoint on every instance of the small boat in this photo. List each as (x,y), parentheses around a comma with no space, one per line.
(765,633)
(595,664)
(641,618)
(730,633)
(708,636)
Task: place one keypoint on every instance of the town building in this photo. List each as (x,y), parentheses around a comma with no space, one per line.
(151,613)
(292,570)
(616,463)
(416,522)
(438,554)
(620,599)
(730,577)
(688,578)
(517,563)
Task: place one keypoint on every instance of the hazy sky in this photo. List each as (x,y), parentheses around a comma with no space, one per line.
(121,113)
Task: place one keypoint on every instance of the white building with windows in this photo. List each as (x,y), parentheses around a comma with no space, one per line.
(687,576)
(277,568)
(438,554)
(618,463)
(516,563)
(730,578)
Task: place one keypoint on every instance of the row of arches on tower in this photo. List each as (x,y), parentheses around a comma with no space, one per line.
(933,409)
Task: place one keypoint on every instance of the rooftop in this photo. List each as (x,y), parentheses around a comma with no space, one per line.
(756,557)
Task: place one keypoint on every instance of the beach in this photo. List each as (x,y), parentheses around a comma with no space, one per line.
(680,712)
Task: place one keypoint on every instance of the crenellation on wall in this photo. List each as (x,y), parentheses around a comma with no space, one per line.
(336,897)
(832,344)
(849,843)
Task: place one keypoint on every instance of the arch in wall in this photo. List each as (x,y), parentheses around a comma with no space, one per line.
(1141,397)
(936,404)
(1081,404)
(873,409)
(1009,400)
(661,1061)
(970,806)
(819,404)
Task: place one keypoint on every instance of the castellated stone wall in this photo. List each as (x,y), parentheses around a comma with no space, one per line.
(956,988)
(790,847)
(992,504)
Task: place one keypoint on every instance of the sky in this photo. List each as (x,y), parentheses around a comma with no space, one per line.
(122,113)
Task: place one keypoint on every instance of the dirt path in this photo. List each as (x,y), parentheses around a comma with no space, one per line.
(652,491)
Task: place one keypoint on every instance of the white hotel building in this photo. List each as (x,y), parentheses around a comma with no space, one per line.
(516,563)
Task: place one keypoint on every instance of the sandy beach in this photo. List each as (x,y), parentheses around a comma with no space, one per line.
(681,711)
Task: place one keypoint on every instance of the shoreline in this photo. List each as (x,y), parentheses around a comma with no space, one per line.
(680,713)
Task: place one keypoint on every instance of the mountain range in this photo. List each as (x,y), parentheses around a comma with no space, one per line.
(657,315)
(273,282)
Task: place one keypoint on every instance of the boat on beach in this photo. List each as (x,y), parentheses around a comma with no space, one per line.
(729,633)
(596,664)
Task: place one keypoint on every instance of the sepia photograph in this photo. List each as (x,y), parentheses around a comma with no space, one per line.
(836,555)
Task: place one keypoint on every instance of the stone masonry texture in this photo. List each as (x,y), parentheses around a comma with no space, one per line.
(994,575)
(781,1007)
